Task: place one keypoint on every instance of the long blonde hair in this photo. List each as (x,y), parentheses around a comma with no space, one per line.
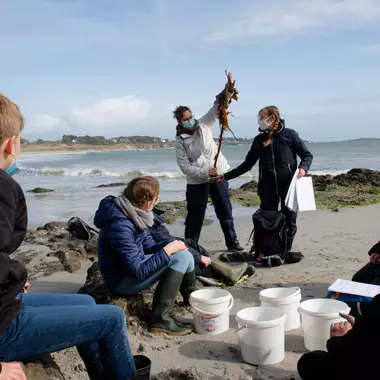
(271,111)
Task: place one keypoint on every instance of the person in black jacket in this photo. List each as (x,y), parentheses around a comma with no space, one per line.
(204,265)
(37,324)
(352,351)
(276,148)
(370,273)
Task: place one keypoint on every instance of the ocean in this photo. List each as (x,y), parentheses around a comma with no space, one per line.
(75,176)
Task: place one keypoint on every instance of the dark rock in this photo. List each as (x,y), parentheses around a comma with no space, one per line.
(71,260)
(249,186)
(91,246)
(58,227)
(321,181)
(358,177)
(116,184)
(138,305)
(40,190)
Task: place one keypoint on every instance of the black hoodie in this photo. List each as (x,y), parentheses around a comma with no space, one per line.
(13,227)
(277,162)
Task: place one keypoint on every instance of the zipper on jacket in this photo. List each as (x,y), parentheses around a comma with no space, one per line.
(274,167)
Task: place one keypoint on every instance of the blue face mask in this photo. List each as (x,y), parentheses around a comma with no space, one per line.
(14,168)
(189,123)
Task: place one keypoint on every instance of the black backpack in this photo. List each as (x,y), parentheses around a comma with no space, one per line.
(269,237)
(79,229)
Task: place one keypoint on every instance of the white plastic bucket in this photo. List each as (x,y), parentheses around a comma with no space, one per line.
(317,316)
(211,310)
(261,335)
(286,299)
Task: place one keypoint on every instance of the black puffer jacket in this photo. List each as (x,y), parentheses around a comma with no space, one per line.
(13,227)
(277,162)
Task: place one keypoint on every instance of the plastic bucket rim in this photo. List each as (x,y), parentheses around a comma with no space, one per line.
(270,323)
(281,301)
(210,301)
(214,314)
(309,313)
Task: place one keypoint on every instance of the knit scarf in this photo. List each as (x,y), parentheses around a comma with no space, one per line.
(188,131)
(142,219)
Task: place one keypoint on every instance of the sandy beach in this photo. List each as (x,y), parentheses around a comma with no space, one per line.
(335,245)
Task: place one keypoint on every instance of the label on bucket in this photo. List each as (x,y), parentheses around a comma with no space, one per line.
(209,322)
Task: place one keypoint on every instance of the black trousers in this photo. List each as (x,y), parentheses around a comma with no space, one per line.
(270,201)
(197,198)
(369,274)
(318,365)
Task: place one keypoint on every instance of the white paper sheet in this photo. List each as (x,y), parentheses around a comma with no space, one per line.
(291,197)
(300,195)
(305,194)
(355,288)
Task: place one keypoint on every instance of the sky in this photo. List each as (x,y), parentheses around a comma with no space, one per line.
(119,67)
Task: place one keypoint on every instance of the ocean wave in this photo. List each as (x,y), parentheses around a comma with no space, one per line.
(77,172)
(83,172)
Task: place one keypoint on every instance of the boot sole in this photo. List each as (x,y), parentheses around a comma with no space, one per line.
(157,330)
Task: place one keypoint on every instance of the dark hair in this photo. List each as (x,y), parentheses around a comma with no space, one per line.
(141,190)
(178,112)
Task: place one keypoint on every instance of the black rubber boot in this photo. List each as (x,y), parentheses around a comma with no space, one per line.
(231,273)
(188,286)
(164,296)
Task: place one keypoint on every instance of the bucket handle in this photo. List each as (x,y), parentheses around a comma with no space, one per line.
(241,328)
(231,304)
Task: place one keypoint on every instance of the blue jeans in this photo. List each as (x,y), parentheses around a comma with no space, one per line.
(182,261)
(52,322)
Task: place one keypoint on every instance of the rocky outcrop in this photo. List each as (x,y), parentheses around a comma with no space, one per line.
(135,307)
(115,184)
(51,249)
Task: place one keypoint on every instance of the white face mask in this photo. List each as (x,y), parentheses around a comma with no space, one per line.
(264,125)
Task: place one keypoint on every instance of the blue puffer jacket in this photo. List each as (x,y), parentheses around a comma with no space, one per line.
(122,247)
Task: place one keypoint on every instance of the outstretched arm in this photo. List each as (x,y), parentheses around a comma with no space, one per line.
(250,160)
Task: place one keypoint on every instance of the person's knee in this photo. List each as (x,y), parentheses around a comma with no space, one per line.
(114,313)
(85,299)
(183,260)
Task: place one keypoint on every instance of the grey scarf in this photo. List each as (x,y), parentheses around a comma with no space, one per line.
(142,219)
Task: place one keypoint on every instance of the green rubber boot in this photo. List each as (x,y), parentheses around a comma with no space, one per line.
(163,300)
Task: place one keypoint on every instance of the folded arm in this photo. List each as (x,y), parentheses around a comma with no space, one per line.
(122,241)
(188,168)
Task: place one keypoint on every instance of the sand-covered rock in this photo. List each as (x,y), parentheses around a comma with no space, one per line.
(43,368)
(50,249)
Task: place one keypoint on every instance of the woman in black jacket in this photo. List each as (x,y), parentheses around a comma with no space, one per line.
(276,148)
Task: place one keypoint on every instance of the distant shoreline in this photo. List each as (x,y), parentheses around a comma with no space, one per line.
(67,148)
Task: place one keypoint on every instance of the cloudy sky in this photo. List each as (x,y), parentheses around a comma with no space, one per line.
(118,67)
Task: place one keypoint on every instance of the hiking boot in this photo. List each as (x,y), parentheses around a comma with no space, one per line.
(163,300)
(236,248)
(237,257)
(294,257)
(231,273)
(188,286)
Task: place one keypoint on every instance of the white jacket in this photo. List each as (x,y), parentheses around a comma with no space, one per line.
(196,153)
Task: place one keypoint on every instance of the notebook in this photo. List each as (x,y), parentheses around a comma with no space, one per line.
(355,288)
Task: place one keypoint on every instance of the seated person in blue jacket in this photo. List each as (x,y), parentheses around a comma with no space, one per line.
(37,324)
(131,261)
(370,273)
(204,265)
